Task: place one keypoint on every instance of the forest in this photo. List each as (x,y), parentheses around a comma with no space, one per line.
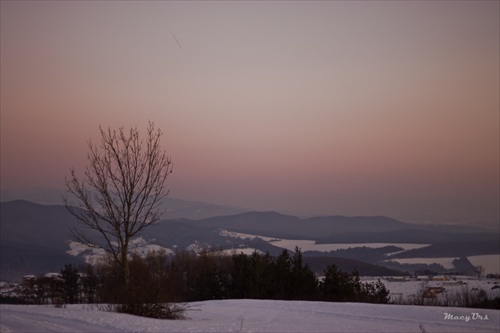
(158,279)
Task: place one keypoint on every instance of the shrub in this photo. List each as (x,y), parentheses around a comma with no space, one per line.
(153,310)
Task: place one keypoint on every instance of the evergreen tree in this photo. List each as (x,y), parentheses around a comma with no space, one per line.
(375,292)
(241,277)
(70,284)
(304,283)
(282,273)
(339,286)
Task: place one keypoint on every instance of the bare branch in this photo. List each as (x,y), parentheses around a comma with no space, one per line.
(121,189)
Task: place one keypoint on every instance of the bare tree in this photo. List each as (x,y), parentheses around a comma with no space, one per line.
(120,192)
(479,269)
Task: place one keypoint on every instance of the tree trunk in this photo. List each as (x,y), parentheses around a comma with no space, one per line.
(125,272)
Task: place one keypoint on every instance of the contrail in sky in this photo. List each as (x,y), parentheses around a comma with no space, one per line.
(176,39)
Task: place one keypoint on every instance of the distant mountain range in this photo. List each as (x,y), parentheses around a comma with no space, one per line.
(340,229)
(34,238)
(174,207)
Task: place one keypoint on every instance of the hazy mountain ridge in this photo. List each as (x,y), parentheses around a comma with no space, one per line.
(35,237)
(341,229)
(172,207)
(175,208)
(23,222)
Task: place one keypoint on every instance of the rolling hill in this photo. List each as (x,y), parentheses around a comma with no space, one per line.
(35,238)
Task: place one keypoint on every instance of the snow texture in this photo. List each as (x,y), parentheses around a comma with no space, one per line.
(255,316)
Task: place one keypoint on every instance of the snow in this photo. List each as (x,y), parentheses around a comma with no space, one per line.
(310,245)
(491,262)
(233,234)
(445,262)
(408,289)
(93,255)
(255,316)
(244,250)
(142,247)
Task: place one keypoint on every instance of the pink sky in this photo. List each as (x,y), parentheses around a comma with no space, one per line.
(353,108)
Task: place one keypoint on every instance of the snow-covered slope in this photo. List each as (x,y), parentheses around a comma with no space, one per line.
(138,245)
(256,316)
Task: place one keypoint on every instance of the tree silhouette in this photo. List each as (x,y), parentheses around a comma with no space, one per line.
(70,283)
(121,190)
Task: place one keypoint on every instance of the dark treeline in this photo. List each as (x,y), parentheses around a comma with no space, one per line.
(187,277)
(364,253)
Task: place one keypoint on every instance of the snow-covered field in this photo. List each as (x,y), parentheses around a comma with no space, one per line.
(491,263)
(310,245)
(445,262)
(93,255)
(140,246)
(255,316)
(401,291)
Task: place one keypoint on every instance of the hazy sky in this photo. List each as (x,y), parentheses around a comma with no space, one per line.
(353,108)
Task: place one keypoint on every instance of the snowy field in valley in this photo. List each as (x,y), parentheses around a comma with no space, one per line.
(310,245)
(490,262)
(140,246)
(407,290)
(255,316)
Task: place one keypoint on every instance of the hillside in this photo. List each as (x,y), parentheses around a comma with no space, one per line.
(319,264)
(341,229)
(454,248)
(272,224)
(174,207)
(35,238)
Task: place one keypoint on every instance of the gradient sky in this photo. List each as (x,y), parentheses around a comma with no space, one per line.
(352,108)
